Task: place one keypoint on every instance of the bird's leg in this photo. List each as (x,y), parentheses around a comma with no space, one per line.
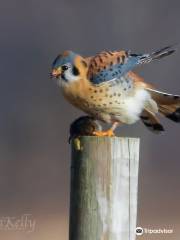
(108,133)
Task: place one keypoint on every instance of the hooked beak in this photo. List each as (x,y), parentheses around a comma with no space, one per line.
(56,72)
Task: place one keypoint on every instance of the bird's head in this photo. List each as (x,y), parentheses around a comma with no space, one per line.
(68,68)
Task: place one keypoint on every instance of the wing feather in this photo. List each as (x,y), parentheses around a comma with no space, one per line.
(108,66)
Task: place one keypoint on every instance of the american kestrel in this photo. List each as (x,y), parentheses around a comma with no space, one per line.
(105,87)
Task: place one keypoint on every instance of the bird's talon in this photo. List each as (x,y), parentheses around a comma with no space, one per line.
(108,133)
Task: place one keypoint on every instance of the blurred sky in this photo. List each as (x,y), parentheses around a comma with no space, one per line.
(35,118)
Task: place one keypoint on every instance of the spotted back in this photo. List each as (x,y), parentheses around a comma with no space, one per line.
(108,66)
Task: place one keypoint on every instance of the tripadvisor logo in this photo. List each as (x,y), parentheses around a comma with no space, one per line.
(140,231)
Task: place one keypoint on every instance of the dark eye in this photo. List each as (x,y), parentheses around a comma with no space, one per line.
(64,67)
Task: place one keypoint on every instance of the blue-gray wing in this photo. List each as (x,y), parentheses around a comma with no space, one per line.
(109,66)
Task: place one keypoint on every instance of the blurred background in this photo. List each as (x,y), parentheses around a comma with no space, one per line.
(35,118)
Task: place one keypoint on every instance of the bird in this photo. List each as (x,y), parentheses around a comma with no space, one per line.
(105,87)
(84,126)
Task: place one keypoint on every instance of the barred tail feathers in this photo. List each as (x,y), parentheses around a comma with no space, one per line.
(168,104)
(171,112)
(151,122)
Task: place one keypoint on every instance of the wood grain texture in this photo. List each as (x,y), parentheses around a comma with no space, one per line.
(104,183)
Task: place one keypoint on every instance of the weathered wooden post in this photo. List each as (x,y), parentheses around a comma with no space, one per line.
(104,182)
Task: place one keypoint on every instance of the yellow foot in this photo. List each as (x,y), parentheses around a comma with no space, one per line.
(108,133)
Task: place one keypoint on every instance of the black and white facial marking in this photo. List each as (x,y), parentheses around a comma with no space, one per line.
(69,73)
